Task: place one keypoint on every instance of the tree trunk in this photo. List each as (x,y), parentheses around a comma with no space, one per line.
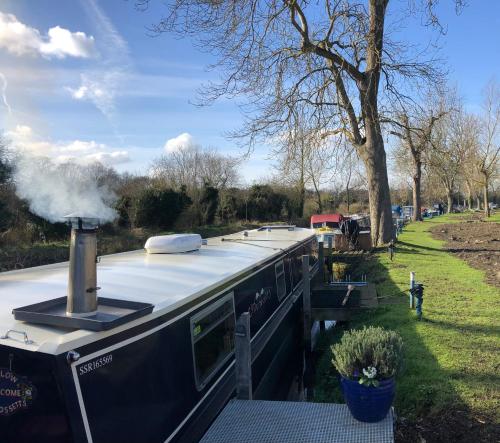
(347,198)
(374,159)
(318,200)
(485,197)
(469,195)
(449,198)
(302,184)
(417,200)
(302,199)
(478,203)
(318,196)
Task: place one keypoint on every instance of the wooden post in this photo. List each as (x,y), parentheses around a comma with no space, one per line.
(412,284)
(306,300)
(330,258)
(243,356)
(321,262)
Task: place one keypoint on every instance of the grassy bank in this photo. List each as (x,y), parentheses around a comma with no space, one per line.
(452,358)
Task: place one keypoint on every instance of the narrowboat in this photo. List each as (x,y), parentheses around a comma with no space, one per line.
(139,347)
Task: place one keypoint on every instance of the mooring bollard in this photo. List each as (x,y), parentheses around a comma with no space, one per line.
(412,285)
(418,293)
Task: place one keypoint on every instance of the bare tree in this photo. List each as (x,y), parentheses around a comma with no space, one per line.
(196,170)
(471,180)
(304,159)
(415,134)
(329,56)
(291,153)
(193,167)
(348,174)
(489,146)
(469,139)
(319,168)
(449,146)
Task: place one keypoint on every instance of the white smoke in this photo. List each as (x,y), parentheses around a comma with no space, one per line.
(54,190)
(3,90)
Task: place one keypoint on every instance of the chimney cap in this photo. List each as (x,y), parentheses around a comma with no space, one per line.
(82,221)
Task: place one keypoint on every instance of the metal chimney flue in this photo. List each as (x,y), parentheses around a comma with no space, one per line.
(82,279)
(80,308)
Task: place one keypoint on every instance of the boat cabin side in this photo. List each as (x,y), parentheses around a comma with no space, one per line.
(166,378)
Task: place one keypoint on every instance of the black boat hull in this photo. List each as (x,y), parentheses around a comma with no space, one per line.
(140,385)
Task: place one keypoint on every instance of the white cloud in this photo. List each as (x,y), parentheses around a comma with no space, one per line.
(79,146)
(25,141)
(100,88)
(16,37)
(63,42)
(182,141)
(20,39)
(20,132)
(109,158)
(101,85)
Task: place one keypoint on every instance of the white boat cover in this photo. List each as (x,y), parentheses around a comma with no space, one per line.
(173,244)
(168,281)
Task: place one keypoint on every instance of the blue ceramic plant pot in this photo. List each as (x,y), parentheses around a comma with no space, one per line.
(368,403)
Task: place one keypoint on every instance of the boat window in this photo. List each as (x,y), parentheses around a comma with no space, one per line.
(280,280)
(212,333)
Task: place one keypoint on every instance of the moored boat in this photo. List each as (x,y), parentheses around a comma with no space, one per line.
(161,375)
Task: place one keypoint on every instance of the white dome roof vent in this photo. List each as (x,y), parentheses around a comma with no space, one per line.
(173,244)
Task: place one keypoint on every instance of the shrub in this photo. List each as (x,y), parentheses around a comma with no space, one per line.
(265,204)
(123,207)
(209,201)
(159,208)
(373,347)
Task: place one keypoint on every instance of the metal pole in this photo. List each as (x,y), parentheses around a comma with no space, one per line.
(243,356)
(412,285)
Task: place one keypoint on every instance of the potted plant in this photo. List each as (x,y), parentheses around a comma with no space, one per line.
(368,361)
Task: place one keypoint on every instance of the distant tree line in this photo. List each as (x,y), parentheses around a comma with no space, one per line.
(183,190)
(447,153)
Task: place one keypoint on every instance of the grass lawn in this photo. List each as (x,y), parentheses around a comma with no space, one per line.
(452,355)
(494,217)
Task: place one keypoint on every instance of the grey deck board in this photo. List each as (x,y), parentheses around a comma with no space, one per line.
(259,421)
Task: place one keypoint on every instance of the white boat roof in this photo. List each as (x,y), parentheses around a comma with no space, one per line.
(165,280)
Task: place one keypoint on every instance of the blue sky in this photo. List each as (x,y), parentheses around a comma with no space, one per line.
(100,87)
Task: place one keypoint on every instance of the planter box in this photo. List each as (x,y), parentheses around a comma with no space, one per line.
(368,403)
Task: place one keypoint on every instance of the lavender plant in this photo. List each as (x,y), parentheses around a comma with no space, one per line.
(369,355)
